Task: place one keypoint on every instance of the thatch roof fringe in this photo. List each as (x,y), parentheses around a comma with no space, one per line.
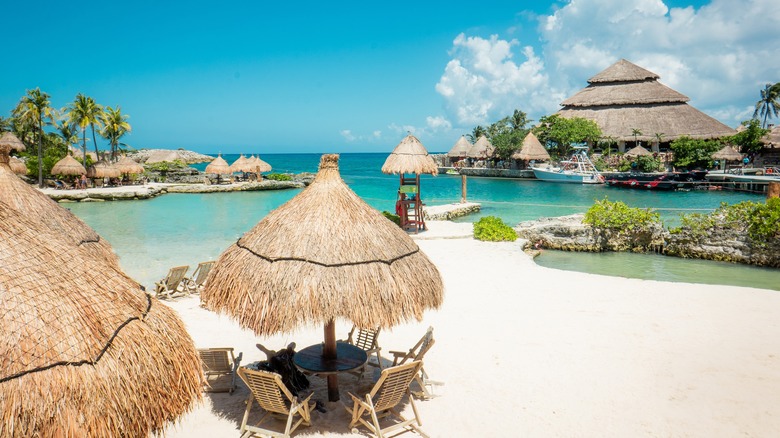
(531,149)
(638,151)
(482,149)
(410,156)
(624,94)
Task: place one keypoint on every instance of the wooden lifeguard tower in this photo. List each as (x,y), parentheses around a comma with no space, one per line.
(410,157)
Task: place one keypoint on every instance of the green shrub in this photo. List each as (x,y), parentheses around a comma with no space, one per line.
(760,221)
(393,217)
(493,229)
(278,177)
(764,220)
(618,216)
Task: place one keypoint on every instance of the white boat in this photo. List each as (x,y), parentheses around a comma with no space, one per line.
(577,170)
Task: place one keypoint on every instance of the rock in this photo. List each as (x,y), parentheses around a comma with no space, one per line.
(450,211)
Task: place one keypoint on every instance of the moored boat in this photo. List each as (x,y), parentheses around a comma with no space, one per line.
(577,170)
(657,181)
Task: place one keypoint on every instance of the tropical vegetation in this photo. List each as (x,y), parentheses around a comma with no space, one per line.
(617,216)
(691,153)
(768,106)
(493,229)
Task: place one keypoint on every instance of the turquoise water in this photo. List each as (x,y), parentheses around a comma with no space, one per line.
(152,235)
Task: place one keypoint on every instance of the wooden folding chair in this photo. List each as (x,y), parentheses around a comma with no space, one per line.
(382,401)
(368,340)
(417,353)
(269,392)
(196,283)
(219,362)
(171,284)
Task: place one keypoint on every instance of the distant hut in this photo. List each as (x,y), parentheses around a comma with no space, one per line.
(637,151)
(163,156)
(625,97)
(481,150)
(68,166)
(12,141)
(322,256)
(87,352)
(531,149)
(460,149)
(727,153)
(103,169)
(128,166)
(258,165)
(17,166)
(410,156)
(219,167)
(242,164)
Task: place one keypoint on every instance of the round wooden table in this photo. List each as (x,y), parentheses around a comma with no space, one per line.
(348,358)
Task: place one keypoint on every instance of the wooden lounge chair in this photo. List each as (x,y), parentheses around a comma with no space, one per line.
(368,340)
(270,393)
(417,353)
(196,283)
(171,284)
(217,363)
(381,402)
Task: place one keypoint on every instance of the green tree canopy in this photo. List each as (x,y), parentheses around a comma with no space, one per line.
(115,126)
(769,105)
(692,153)
(559,133)
(749,140)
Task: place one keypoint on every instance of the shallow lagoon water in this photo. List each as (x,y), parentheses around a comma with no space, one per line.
(153,235)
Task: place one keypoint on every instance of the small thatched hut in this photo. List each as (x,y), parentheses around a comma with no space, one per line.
(638,151)
(481,150)
(727,153)
(218,166)
(531,149)
(68,166)
(103,169)
(258,165)
(460,149)
(323,255)
(242,164)
(129,166)
(83,350)
(625,97)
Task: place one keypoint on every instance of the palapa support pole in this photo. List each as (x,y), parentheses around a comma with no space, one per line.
(462,188)
(329,352)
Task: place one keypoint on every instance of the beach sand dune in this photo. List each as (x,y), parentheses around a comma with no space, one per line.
(529,351)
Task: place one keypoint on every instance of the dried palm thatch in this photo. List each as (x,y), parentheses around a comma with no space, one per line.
(83,351)
(461,148)
(625,97)
(258,165)
(102,169)
(219,166)
(17,166)
(19,196)
(727,153)
(323,255)
(532,149)
(163,156)
(129,166)
(12,141)
(482,149)
(68,166)
(410,156)
(638,150)
(242,164)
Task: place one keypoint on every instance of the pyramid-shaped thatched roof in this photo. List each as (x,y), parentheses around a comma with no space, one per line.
(532,149)
(482,149)
(218,166)
(83,350)
(461,148)
(727,153)
(9,139)
(410,156)
(103,169)
(322,256)
(638,150)
(625,97)
(259,165)
(68,166)
(128,165)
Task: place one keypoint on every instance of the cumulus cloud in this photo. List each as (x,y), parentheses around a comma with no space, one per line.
(719,55)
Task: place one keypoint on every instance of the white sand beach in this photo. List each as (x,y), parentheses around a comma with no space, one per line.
(530,351)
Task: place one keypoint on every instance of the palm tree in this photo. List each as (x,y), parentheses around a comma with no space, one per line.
(478,132)
(5,124)
(518,120)
(34,107)
(85,112)
(769,104)
(115,126)
(659,137)
(635,132)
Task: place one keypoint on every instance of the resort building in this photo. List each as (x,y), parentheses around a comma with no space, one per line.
(632,108)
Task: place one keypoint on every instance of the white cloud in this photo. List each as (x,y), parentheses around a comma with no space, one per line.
(719,55)
(347,134)
(438,123)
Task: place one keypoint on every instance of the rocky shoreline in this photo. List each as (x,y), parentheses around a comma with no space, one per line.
(568,233)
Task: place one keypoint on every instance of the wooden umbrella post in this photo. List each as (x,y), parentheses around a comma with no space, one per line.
(329,352)
(462,188)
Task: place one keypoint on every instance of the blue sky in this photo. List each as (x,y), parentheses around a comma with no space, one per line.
(356,76)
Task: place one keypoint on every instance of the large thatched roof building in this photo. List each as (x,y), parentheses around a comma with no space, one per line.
(625,97)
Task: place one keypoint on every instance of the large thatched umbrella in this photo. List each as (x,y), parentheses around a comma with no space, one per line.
(638,151)
(460,149)
(410,156)
(32,203)
(727,153)
(482,149)
(102,169)
(83,350)
(258,165)
(323,255)
(242,164)
(531,149)
(12,141)
(129,166)
(17,166)
(68,166)
(219,166)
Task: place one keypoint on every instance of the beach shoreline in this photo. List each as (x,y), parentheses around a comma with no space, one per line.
(543,352)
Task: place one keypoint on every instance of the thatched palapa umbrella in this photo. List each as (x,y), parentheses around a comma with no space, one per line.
(17,166)
(531,149)
(102,169)
(218,166)
(638,151)
(460,149)
(410,156)
(242,164)
(18,195)
(482,149)
(68,166)
(323,255)
(12,141)
(727,153)
(129,166)
(258,165)
(83,350)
